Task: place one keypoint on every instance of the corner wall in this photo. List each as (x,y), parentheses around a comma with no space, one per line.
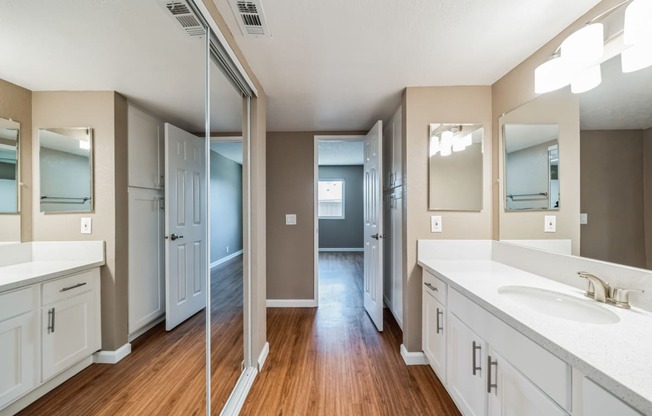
(225,207)
(422,106)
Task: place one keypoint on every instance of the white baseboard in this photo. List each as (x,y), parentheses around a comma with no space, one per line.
(146,328)
(361,249)
(239,394)
(413,358)
(112,357)
(263,356)
(291,303)
(225,259)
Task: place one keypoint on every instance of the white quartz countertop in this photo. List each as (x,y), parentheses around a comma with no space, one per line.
(29,263)
(617,356)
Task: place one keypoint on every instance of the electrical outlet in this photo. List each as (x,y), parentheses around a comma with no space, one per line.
(290,219)
(86,225)
(550,224)
(435,224)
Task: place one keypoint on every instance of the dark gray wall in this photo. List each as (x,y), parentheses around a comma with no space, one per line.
(225,207)
(346,233)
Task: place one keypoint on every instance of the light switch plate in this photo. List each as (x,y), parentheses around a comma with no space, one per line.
(435,224)
(584,218)
(290,219)
(86,225)
(550,224)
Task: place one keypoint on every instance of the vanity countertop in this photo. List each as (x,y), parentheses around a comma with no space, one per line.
(618,356)
(29,263)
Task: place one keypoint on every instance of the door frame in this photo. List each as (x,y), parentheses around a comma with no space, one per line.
(319,138)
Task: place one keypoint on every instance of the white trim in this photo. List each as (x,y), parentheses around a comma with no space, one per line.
(413,358)
(112,357)
(140,331)
(226,258)
(46,387)
(239,394)
(356,249)
(291,303)
(349,137)
(263,356)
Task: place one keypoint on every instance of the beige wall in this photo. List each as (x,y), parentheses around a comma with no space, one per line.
(612,196)
(16,104)
(106,113)
(290,190)
(422,106)
(561,107)
(647,183)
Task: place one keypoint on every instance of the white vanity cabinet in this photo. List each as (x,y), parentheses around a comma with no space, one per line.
(434,324)
(19,357)
(70,321)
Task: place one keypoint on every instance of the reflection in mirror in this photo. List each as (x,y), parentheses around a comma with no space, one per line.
(531,166)
(455,167)
(616,167)
(9,167)
(66,169)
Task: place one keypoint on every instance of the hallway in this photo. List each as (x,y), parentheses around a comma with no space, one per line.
(331,360)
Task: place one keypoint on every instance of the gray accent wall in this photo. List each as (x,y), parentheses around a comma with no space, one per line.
(347,232)
(225,207)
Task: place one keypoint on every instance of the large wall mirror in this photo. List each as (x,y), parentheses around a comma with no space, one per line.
(66,169)
(455,167)
(9,167)
(531,166)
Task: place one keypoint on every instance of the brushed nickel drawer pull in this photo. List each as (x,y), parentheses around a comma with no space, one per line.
(431,287)
(491,385)
(439,326)
(50,321)
(65,289)
(476,347)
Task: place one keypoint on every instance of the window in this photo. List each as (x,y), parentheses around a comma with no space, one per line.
(330,195)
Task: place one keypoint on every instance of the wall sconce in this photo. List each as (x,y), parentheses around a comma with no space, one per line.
(577,61)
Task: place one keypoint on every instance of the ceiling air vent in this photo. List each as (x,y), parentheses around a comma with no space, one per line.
(185,16)
(250,17)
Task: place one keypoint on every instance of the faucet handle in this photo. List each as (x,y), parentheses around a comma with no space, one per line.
(620,297)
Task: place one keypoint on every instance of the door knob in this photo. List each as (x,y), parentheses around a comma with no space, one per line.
(174,237)
(377,236)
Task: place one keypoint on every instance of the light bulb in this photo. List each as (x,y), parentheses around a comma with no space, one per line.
(584,47)
(637,23)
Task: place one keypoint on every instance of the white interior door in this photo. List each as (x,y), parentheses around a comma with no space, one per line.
(185,226)
(373,224)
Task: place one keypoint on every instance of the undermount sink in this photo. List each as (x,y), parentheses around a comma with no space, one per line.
(559,305)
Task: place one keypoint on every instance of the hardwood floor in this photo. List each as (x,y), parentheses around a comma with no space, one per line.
(165,373)
(332,360)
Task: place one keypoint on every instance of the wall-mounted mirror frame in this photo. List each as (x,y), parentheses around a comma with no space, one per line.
(66,169)
(531,166)
(455,166)
(9,166)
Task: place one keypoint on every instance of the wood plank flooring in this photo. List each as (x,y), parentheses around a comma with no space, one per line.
(332,360)
(165,373)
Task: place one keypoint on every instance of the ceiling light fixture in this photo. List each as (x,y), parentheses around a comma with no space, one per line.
(637,36)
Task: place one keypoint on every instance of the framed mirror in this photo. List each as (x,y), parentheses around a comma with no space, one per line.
(66,169)
(9,167)
(531,166)
(455,166)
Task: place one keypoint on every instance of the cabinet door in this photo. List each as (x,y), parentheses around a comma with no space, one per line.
(145,167)
(512,394)
(146,261)
(68,332)
(397,150)
(434,337)
(466,365)
(599,402)
(18,360)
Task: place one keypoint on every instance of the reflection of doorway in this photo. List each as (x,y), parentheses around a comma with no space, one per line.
(339,214)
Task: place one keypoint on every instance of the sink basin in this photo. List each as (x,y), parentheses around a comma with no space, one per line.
(559,305)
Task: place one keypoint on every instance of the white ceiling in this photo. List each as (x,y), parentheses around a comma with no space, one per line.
(342,64)
(229,149)
(330,65)
(340,152)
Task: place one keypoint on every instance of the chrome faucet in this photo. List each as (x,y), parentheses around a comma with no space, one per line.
(598,288)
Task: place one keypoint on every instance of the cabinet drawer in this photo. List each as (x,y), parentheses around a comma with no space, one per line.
(17,302)
(70,286)
(435,286)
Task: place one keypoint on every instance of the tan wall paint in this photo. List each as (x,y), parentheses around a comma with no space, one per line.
(16,104)
(517,88)
(561,107)
(647,202)
(422,106)
(612,196)
(106,113)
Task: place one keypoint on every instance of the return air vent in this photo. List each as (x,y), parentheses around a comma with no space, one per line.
(186,17)
(250,17)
